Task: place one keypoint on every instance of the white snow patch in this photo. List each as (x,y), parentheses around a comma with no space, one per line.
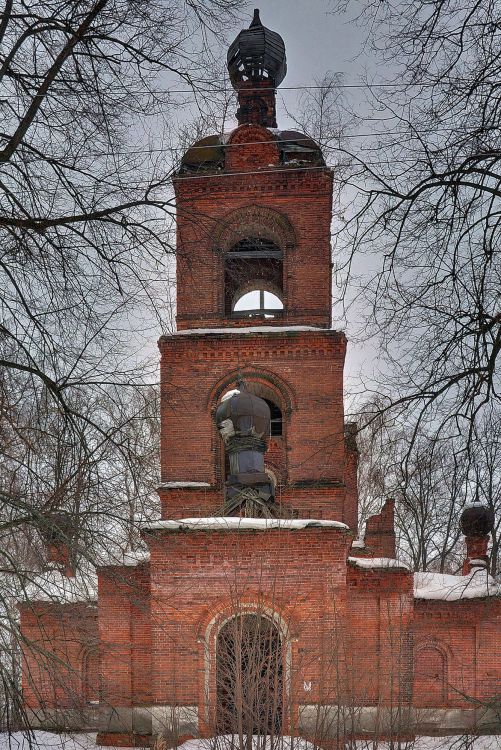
(358,544)
(182,485)
(453,588)
(87,741)
(449,742)
(234,392)
(54,586)
(48,741)
(131,559)
(246,329)
(476,504)
(232,742)
(235,523)
(377,563)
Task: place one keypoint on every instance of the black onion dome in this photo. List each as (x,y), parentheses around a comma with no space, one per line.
(57,526)
(477,520)
(249,414)
(257,54)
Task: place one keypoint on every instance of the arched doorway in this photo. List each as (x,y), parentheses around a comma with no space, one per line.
(249,676)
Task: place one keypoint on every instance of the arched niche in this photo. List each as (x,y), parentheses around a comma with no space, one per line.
(253,245)
(90,675)
(430,674)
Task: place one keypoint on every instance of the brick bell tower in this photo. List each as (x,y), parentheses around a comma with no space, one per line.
(254,302)
(258,491)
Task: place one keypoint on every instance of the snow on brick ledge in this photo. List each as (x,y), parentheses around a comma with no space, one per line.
(132,559)
(248,329)
(235,523)
(450,588)
(54,586)
(377,563)
(183,485)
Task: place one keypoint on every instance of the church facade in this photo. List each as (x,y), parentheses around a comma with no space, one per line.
(256,608)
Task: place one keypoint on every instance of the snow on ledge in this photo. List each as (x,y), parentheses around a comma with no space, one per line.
(358,544)
(448,588)
(132,559)
(247,329)
(54,586)
(377,563)
(235,523)
(183,485)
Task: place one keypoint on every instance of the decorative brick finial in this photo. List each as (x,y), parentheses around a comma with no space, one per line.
(477,522)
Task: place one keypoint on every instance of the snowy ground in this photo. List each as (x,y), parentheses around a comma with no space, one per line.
(50,741)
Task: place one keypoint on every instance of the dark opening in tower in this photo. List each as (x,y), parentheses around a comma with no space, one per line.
(253,277)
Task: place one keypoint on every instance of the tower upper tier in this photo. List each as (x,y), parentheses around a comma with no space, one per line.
(254,210)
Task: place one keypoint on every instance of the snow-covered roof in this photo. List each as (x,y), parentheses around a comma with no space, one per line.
(54,586)
(183,485)
(131,559)
(450,588)
(377,563)
(235,523)
(236,331)
(358,544)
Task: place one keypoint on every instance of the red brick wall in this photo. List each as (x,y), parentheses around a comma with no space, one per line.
(58,641)
(464,639)
(306,371)
(125,635)
(380,611)
(198,576)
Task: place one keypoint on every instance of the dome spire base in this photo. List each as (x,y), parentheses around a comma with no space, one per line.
(257,104)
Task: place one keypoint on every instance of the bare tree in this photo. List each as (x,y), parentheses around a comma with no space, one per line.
(426,217)
(430,480)
(86,221)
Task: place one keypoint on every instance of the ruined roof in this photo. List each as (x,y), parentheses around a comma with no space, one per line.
(208,153)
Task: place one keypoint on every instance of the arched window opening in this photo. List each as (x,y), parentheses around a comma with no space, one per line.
(249,676)
(258,303)
(253,278)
